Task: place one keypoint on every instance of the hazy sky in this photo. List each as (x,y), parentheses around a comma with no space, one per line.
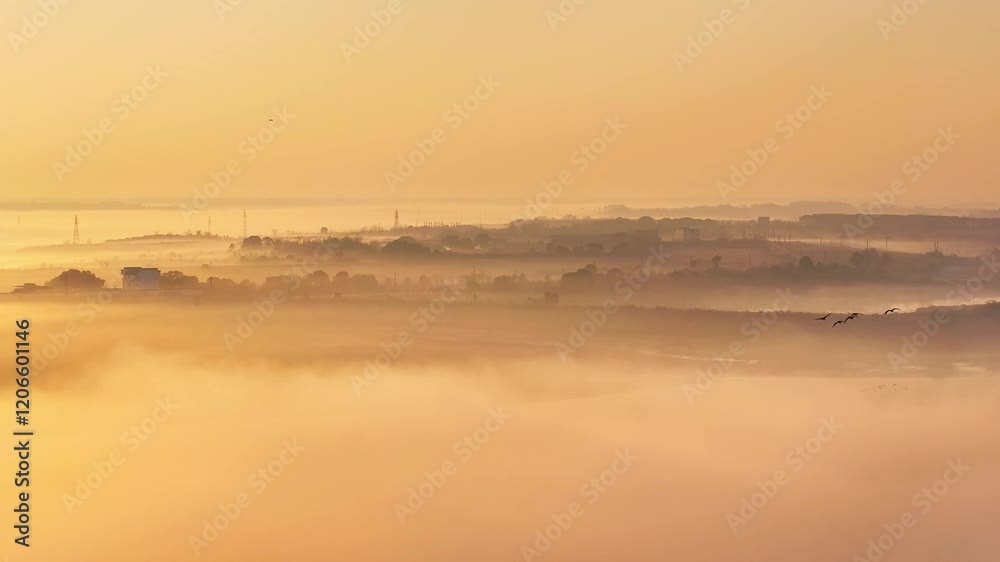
(353,120)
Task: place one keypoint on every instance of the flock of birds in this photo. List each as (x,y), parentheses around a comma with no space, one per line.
(852,316)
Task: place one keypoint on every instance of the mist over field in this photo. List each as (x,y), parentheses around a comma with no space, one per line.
(511,281)
(364,446)
(562,390)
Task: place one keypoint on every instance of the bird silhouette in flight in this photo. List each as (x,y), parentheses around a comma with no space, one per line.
(852,316)
(824,317)
(838,322)
(889,311)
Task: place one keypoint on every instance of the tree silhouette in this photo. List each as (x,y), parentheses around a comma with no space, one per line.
(177,280)
(76,279)
(405,245)
(252,243)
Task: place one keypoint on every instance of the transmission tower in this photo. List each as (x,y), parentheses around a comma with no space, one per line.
(76,230)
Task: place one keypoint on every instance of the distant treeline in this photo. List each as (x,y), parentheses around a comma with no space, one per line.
(864,267)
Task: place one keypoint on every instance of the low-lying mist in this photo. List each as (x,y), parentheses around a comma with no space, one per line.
(153,448)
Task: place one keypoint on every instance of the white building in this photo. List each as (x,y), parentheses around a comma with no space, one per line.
(140,278)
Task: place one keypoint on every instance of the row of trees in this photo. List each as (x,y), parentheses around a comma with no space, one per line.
(868,264)
(280,246)
(407,246)
(316,282)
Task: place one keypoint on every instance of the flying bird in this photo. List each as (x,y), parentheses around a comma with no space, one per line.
(852,316)
(890,310)
(824,317)
(838,322)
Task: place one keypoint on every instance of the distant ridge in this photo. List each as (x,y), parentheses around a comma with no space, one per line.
(790,211)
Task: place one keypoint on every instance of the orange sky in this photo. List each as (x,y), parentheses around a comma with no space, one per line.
(223,77)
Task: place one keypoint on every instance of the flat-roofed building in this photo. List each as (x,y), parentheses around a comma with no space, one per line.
(140,278)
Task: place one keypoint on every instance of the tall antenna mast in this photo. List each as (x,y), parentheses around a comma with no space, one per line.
(76,230)
(244,224)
